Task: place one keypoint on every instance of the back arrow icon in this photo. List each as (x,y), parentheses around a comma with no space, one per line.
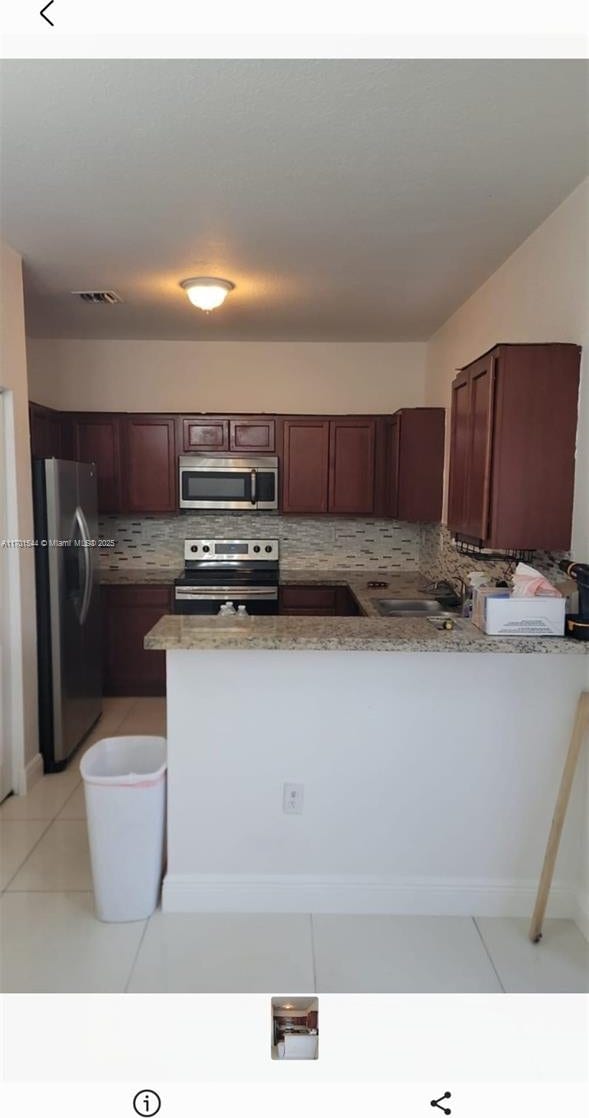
(436,1102)
(46,18)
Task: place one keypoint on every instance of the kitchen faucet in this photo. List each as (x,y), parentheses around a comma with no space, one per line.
(445,589)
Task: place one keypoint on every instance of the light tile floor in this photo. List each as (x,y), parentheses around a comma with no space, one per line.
(50,940)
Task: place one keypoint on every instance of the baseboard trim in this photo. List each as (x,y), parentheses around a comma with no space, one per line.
(418,897)
(31,775)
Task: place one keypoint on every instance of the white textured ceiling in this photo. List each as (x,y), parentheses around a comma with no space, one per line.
(346,200)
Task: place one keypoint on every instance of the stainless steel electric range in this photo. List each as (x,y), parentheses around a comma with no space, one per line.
(244,572)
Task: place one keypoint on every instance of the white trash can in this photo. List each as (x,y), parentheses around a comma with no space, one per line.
(125,789)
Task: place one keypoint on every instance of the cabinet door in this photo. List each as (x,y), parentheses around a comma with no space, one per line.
(252,435)
(345,603)
(392,466)
(46,432)
(310,600)
(305,466)
(351,466)
(96,438)
(459,453)
(478,486)
(533,463)
(205,433)
(420,465)
(150,463)
(315,600)
(129,613)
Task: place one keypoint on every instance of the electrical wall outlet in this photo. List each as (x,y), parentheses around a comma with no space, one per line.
(293,796)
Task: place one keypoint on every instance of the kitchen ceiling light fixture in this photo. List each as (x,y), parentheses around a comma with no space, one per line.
(207,292)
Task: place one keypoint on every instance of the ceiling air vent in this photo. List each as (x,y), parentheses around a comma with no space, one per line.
(98,296)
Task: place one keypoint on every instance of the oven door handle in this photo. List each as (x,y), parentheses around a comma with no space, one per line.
(254,497)
(226,593)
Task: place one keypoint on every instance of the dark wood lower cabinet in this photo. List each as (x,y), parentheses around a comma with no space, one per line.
(315,600)
(129,612)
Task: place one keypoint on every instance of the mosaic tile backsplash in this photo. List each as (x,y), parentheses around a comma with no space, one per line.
(305,542)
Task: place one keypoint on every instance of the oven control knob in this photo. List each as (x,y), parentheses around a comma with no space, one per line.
(256,547)
(194,547)
(268,547)
(206,547)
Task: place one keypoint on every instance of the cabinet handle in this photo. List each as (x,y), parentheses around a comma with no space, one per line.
(254,490)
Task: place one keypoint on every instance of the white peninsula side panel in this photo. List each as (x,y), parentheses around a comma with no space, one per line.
(429,782)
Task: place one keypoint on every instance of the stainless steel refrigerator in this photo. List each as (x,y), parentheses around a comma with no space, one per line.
(69,637)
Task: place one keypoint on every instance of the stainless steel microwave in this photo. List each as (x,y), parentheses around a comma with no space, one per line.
(246,484)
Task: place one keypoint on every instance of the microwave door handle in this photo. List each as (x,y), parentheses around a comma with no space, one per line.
(254,496)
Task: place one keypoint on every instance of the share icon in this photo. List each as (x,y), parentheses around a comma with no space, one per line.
(436,1102)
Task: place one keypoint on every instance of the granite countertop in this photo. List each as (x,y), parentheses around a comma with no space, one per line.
(340,634)
(368,633)
(138,576)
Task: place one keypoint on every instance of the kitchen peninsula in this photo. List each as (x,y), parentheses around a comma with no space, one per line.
(398,764)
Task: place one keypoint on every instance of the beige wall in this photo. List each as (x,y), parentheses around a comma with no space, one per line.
(22,641)
(226,376)
(541,293)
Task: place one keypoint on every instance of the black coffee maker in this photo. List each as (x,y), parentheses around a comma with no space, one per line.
(578,623)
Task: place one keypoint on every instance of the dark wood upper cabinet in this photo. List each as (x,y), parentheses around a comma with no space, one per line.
(352,445)
(97,438)
(482,397)
(305,465)
(149,457)
(46,426)
(252,435)
(129,612)
(247,434)
(512,453)
(205,433)
(415,464)
(67,437)
(459,453)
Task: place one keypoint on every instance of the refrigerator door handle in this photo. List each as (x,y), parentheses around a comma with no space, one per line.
(85,535)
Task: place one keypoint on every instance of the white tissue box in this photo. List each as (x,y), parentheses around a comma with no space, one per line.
(525,617)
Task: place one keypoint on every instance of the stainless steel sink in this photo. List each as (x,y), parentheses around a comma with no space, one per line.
(412,607)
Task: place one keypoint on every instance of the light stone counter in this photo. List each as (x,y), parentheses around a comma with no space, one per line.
(356,634)
(138,576)
(370,632)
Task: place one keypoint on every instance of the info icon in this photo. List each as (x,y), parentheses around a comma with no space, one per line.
(147,1103)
